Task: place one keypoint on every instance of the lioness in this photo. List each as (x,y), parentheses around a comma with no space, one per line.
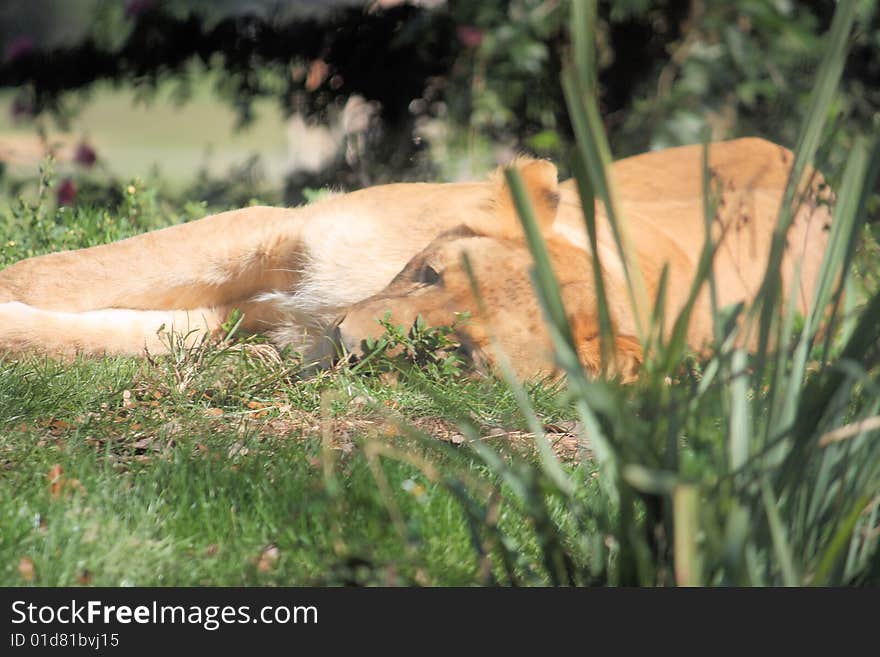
(335,266)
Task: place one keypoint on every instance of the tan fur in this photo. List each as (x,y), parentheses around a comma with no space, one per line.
(296,272)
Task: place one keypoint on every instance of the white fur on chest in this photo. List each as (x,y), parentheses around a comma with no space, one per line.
(345,257)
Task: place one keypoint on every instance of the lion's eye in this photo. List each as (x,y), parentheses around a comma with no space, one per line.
(428,275)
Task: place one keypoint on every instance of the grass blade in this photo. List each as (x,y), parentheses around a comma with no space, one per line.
(821,99)
(841,540)
(740,416)
(777,532)
(588,204)
(685,504)
(596,157)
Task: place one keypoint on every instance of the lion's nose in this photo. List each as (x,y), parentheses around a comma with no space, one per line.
(339,347)
(343,338)
(335,334)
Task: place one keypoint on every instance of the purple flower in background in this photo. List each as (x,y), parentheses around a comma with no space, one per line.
(134,8)
(85,155)
(470,36)
(66,192)
(19,47)
(21,108)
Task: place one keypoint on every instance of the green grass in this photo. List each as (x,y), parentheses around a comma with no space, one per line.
(224,465)
(118,471)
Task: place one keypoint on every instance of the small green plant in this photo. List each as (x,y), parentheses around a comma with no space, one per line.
(433,350)
(32,226)
(35,223)
(233,322)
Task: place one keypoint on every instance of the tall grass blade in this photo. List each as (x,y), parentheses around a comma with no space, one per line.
(740,415)
(820,392)
(860,551)
(588,205)
(596,157)
(685,504)
(583,25)
(849,212)
(545,278)
(855,191)
(547,289)
(710,207)
(777,532)
(821,99)
(831,559)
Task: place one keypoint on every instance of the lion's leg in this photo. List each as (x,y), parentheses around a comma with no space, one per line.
(25,329)
(214,261)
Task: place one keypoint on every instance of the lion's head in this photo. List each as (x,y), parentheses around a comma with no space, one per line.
(437,285)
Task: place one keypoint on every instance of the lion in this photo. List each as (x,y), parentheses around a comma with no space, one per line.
(319,276)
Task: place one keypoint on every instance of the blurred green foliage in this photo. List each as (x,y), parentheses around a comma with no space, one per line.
(668,71)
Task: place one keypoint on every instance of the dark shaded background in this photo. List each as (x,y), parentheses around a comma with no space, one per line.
(669,69)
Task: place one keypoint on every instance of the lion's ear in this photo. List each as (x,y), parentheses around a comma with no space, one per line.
(539,178)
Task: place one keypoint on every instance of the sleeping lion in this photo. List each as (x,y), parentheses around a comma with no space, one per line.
(318,277)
